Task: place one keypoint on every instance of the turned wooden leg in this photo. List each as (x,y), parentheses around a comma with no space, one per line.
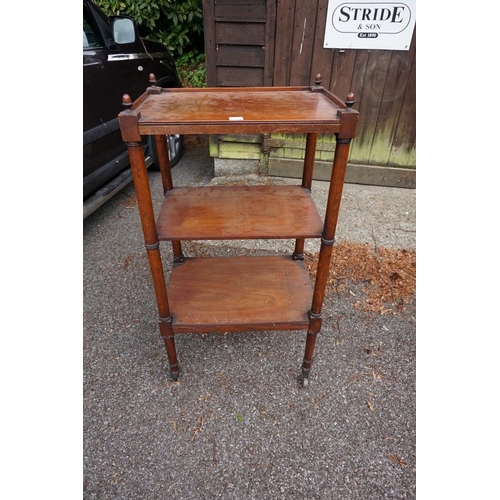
(325,253)
(312,333)
(166,179)
(168,338)
(308,358)
(307,175)
(143,194)
(177,250)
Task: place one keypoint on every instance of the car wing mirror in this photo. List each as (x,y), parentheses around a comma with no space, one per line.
(123,29)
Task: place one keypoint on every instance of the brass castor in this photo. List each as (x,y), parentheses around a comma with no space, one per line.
(174,374)
(305,379)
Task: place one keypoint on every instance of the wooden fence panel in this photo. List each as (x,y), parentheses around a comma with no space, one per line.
(270,42)
(240,33)
(280,42)
(283,42)
(321,60)
(232,77)
(210,47)
(383,82)
(304,28)
(390,114)
(232,10)
(341,79)
(240,55)
(403,144)
(237,39)
(369,105)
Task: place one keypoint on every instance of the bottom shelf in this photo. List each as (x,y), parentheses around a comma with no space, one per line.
(222,294)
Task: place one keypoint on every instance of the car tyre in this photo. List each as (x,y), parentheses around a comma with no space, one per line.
(175,144)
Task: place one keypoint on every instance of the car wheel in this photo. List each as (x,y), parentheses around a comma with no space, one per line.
(175,145)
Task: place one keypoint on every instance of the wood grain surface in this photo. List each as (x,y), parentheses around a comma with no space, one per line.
(222,294)
(238,212)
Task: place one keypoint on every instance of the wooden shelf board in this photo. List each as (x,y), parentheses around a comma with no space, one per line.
(216,105)
(221,294)
(238,110)
(238,212)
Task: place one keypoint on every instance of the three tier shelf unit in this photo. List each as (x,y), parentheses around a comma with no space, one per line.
(239,293)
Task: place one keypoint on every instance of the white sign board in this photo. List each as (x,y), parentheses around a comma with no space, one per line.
(369,25)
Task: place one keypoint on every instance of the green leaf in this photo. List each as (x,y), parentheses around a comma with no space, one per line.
(240,417)
(177,23)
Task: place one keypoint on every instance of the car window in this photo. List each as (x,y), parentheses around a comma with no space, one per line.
(90,36)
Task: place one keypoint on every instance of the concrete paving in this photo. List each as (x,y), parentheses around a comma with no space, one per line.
(237,424)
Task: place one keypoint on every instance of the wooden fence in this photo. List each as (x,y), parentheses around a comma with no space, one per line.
(280,42)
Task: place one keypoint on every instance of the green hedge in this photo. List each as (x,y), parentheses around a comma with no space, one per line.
(176,23)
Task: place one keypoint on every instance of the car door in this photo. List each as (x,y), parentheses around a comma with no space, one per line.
(107,75)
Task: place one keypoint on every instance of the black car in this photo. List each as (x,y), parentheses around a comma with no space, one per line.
(116,61)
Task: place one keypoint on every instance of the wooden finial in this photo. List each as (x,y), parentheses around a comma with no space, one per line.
(317,80)
(153,89)
(126,101)
(349,100)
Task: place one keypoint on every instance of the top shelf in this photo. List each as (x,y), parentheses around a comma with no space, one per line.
(238,110)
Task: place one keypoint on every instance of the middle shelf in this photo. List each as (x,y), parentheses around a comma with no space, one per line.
(238,212)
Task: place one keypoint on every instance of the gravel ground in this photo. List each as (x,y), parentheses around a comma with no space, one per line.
(237,424)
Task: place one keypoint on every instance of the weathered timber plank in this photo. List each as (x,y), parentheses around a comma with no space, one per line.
(240,55)
(342,73)
(253,138)
(240,12)
(322,59)
(240,2)
(403,143)
(355,174)
(283,45)
(359,75)
(397,81)
(325,143)
(239,150)
(369,105)
(240,33)
(239,77)
(270,42)
(303,42)
(209,35)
